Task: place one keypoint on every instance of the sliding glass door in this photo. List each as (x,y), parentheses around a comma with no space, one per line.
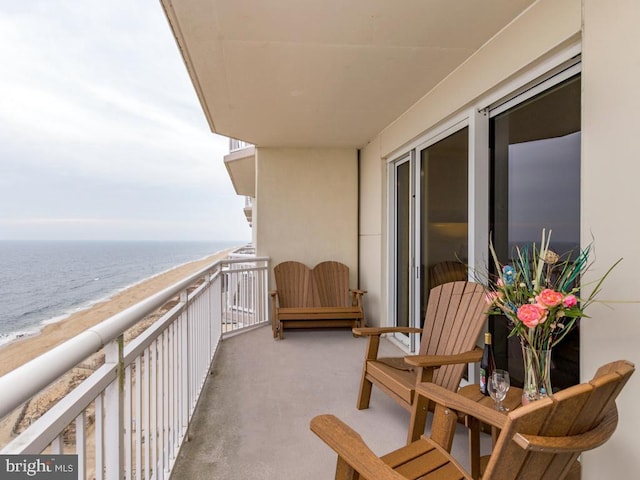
(444,231)
(402,285)
(535,161)
(440,211)
(429,223)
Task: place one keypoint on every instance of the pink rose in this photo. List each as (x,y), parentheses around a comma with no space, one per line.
(570,301)
(549,298)
(493,297)
(490,297)
(531,314)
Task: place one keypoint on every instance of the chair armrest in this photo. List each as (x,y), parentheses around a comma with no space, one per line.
(372,331)
(439,360)
(572,443)
(275,307)
(351,448)
(275,298)
(357,297)
(460,404)
(357,291)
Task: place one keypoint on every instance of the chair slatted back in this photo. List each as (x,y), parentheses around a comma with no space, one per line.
(573,411)
(332,283)
(456,313)
(294,284)
(445,272)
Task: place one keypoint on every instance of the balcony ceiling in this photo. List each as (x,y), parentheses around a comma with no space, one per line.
(324,73)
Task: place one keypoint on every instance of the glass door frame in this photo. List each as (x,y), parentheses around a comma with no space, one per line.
(476,185)
(419,276)
(405,341)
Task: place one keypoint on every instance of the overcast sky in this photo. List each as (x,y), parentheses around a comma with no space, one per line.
(101,132)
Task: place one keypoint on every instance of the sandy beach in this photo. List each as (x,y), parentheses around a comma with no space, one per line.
(20,351)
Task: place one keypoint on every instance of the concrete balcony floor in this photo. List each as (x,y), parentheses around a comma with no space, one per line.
(252,421)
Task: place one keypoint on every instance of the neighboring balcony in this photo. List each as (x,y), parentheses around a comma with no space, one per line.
(248,210)
(241,166)
(235,145)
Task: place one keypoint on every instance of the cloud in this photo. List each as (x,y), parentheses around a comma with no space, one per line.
(99,120)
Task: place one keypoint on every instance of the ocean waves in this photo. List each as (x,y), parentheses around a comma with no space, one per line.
(45,282)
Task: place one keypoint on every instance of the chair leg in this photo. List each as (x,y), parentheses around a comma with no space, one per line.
(443,427)
(344,471)
(418,421)
(365,392)
(373,344)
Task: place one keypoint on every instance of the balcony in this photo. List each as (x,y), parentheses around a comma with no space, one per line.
(235,145)
(205,392)
(240,163)
(253,417)
(248,210)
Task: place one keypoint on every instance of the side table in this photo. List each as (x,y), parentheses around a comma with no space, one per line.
(472,392)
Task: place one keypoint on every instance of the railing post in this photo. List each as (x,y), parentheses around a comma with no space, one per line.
(113,413)
(265,292)
(186,361)
(209,280)
(217,307)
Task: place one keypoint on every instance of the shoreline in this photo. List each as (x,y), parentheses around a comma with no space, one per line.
(36,330)
(20,350)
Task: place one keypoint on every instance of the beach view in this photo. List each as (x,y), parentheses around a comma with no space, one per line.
(55,290)
(113,189)
(35,340)
(54,332)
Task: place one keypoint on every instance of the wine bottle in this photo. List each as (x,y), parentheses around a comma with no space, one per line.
(487,364)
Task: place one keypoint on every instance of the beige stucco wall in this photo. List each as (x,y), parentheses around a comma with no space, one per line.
(544,27)
(372,213)
(307,201)
(610,198)
(610,202)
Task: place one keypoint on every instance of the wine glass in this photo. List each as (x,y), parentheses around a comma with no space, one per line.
(498,385)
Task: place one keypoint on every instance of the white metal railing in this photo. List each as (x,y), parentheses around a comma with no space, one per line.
(237,145)
(128,419)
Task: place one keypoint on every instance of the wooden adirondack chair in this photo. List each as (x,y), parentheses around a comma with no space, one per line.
(541,440)
(456,313)
(321,297)
(445,272)
(331,280)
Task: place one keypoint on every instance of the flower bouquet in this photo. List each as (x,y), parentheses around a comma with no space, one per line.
(539,293)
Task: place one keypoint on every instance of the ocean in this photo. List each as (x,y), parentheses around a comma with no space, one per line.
(43,282)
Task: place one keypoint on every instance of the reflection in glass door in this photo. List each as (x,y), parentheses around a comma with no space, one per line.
(535,150)
(443,211)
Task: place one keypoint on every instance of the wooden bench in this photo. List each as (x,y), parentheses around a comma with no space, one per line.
(306,298)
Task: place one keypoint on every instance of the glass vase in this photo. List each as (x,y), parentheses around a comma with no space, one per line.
(537,374)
